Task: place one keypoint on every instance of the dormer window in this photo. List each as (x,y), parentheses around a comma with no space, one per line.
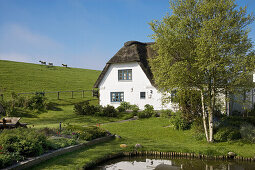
(125,74)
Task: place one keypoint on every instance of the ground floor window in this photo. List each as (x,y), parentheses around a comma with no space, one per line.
(117,96)
(142,95)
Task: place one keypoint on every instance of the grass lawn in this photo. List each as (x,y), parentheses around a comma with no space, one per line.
(153,135)
(21,77)
(65,115)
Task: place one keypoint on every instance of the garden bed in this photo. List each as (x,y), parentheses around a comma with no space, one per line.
(18,145)
(36,160)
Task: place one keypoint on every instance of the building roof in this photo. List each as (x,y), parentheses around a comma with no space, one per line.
(132,51)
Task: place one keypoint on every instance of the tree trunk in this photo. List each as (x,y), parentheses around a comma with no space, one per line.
(210,119)
(204,116)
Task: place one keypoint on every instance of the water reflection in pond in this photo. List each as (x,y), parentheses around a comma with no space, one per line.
(141,163)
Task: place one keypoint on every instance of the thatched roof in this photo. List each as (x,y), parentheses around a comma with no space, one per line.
(132,51)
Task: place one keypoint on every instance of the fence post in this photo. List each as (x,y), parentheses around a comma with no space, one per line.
(82,93)
(72,94)
(58,95)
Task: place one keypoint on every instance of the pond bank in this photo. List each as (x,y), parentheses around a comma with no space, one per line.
(166,155)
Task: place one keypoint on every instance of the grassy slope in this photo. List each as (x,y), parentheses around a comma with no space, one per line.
(25,77)
(153,135)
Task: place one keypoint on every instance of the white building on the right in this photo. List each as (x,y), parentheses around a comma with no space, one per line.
(239,103)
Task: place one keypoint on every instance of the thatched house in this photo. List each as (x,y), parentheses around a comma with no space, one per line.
(127,77)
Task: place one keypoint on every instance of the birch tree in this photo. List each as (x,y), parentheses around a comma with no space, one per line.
(203,45)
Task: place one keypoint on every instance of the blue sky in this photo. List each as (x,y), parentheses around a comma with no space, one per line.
(80,33)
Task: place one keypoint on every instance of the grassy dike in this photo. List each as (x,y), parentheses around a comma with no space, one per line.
(21,77)
(155,135)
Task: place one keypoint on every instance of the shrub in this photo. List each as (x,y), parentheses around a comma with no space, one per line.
(125,105)
(109,111)
(85,133)
(78,108)
(25,142)
(227,134)
(179,122)
(56,143)
(166,113)
(7,159)
(98,110)
(37,102)
(84,108)
(134,109)
(147,112)
(121,108)
(248,132)
(197,125)
(48,131)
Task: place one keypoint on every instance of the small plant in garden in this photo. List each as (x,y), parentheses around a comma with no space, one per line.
(37,102)
(227,134)
(121,109)
(147,112)
(248,132)
(109,111)
(84,108)
(23,142)
(84,133)
(179,122)
(166,113)
(134,109)
(125,105)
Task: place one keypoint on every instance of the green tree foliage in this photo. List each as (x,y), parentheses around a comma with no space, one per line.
(203,45)
(189,102)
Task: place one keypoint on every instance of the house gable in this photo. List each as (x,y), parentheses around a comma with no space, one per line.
(132,51)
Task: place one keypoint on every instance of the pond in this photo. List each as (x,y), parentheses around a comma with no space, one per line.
(150,163)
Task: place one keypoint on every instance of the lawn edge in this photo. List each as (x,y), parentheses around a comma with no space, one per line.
(39,159)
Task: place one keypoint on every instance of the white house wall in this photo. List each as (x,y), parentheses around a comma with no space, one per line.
(131,88)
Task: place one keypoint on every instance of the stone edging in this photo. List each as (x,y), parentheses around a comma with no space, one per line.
(36,160)
(185,155)
(163,155)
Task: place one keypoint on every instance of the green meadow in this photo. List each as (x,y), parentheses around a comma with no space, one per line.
(21,77)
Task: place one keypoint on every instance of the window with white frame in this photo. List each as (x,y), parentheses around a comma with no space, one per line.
(125,74)
(117,96)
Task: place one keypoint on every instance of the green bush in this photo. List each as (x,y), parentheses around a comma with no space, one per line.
(84,108)
(125,105)
(109,111)
(25,142)
(134,109)
(179,122)
(147,112)
(7,159)
(56,143)
(37,102)
(121,108)
(166,113)
(197,128)
(85,133)
(227,134)
(248,132)
(48,131)
(197,125)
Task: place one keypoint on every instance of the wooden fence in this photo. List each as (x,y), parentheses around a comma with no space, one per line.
(94,93)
